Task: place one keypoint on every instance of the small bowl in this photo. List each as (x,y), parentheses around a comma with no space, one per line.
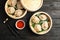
(17,22)
(43,32)
(14,17)
(31,9)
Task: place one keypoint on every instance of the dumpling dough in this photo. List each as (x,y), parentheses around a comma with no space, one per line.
(18,12)
(37,27)
(45,25)
(19,5)
(12,2)
(43,17)
(10,10)
(35,19)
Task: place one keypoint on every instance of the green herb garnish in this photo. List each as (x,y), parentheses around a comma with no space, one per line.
(46,20)
(33,24)
(15,7)
(41,22)
(9,6)
(37,15)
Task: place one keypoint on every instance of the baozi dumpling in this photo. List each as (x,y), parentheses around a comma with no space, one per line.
(45,25)
(35,19)
(19,6)
(12,2)
(18,12)
(43,17)
(37,27)
(10,10)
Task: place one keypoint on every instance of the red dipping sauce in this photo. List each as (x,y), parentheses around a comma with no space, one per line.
(20,24)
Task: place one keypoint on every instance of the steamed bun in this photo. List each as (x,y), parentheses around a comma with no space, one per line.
(45,25)
(19,6)
(37,27)
(18,13)
(11,10)
(12,2)
(43,17)
(35,19)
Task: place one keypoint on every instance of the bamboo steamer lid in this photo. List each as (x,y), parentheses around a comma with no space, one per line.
(32,5)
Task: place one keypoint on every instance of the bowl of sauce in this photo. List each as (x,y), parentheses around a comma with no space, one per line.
(20,24)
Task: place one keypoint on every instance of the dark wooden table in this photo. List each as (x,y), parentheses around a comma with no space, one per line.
(9,32)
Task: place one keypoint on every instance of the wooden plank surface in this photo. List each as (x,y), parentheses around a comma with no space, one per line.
(9,32)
